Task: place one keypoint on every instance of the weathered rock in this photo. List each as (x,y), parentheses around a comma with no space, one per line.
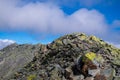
(108,73)
(100,77)
(89,78)
(94,72)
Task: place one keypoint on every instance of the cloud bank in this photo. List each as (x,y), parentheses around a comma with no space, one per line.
(5,42)
(48,18)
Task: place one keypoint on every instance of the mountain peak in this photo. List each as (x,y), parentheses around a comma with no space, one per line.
(72,57)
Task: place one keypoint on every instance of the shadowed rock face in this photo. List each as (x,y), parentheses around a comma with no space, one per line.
(71,57)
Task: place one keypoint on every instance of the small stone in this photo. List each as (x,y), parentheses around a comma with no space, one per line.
(78,77)
(89,78)
(81,77)
(100,77)
(66,41)
(109,73)
(94,72)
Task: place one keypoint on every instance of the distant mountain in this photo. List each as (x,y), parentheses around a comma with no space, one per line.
(71,57)
(5,42)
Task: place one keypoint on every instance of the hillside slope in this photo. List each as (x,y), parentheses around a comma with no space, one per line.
(15,56)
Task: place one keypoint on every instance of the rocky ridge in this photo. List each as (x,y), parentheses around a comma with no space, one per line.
(73,57)
(14,57)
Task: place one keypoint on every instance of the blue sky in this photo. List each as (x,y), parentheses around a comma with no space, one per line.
(42,21)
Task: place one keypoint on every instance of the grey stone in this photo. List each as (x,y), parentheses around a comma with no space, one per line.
(94,72)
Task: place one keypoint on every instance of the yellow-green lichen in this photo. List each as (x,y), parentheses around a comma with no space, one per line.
(90,55)
(82,36)
(93,38)
(31,77)
(97,40)
(93,57)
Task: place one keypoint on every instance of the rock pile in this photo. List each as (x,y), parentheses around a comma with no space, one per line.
(73,57)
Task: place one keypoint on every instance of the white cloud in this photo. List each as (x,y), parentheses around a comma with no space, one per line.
(5,42)
(43,17)
(116,24)
(48,18)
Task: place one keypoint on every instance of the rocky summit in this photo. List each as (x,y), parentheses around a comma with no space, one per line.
(71,57)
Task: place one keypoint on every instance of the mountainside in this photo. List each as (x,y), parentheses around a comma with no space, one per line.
(71,57)
(15,56)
